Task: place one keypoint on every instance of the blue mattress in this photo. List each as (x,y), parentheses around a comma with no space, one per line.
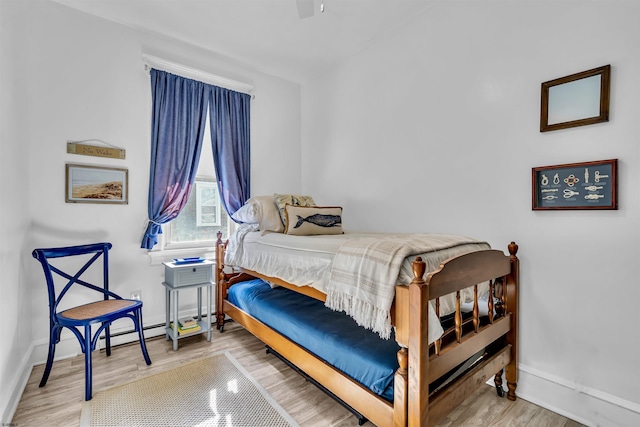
(330,335)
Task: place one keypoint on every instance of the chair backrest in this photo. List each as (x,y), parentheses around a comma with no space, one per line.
(97,249)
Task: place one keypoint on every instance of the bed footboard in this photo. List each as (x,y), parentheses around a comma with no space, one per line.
(497,331)
(421,364)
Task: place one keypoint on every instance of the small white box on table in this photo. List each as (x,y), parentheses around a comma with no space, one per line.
(178,274)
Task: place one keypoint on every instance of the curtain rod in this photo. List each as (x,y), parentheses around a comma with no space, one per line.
(192,73)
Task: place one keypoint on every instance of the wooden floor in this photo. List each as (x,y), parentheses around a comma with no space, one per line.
(59,402)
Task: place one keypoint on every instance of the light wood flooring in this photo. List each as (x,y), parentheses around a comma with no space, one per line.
(59,403)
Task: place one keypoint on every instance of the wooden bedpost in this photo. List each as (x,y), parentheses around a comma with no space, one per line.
(400,389)
(401,378)
(512,306)
(418,387)
(221,287)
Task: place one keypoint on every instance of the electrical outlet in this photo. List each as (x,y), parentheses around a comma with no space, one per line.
(136,295)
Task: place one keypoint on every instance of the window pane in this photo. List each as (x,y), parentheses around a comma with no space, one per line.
(202,217)
(207,204)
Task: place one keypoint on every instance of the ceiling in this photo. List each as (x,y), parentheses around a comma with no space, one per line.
(265,34)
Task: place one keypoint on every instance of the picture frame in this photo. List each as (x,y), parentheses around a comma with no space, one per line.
(96,184)
(576,100)
(586,185)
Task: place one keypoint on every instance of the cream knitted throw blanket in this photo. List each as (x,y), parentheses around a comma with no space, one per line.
(365,272)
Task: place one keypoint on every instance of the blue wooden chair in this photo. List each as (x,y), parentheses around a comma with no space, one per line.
(105,310)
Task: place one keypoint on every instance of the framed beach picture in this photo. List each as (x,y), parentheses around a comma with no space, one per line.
(96,184)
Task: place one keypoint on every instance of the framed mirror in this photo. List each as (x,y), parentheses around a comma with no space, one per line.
(576,100)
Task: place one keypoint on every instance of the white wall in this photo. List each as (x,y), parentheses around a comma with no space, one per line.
(435,128)
(15,333)
(70,76)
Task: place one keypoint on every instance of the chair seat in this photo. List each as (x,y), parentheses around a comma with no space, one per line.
(97,310)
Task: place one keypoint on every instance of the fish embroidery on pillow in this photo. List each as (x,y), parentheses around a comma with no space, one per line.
(320,220)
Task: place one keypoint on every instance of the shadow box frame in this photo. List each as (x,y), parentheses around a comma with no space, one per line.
(578,97)
(547,193)
(96,176)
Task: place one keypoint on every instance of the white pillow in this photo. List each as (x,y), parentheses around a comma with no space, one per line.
(268,214)
(249,213)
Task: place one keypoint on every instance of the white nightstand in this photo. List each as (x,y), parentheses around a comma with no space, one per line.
(180,276)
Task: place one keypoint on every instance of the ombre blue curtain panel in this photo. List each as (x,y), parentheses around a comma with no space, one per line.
(229,116)
(177,129)
(178,121)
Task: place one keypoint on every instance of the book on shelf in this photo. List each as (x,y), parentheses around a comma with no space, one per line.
(182,331)
(187,323)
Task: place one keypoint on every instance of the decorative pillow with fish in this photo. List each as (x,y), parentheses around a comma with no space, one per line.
(291,199)
(313,220)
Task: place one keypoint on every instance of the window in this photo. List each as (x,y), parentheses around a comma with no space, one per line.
(172,96)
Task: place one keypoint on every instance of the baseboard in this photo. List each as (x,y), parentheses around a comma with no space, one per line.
(585,405)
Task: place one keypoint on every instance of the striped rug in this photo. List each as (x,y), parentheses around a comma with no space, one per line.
(214,391)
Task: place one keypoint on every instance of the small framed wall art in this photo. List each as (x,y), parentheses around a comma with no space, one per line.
(96,184)
(588,185)
(576,100)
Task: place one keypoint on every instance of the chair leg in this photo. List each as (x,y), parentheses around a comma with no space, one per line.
(54,334)
(88,375)
(107,339)
(143,345)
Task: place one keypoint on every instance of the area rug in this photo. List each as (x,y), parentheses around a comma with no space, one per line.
(214,391)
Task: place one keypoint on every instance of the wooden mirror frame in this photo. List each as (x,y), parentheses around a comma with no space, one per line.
(605,81)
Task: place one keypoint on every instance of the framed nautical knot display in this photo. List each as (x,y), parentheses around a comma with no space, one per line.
(96,184)
(576,100)
(589,185)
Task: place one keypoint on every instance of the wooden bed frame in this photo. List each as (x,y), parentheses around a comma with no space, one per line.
(420,363)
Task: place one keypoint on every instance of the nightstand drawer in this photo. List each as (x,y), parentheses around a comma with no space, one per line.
(188,274)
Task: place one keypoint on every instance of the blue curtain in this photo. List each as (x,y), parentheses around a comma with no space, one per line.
(178,121)
(229,118)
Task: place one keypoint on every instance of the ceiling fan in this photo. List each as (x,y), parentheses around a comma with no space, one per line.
(306,8)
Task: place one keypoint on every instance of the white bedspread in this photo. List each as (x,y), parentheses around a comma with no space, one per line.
(330,263)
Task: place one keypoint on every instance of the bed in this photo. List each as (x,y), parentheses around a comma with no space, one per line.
(450,308)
